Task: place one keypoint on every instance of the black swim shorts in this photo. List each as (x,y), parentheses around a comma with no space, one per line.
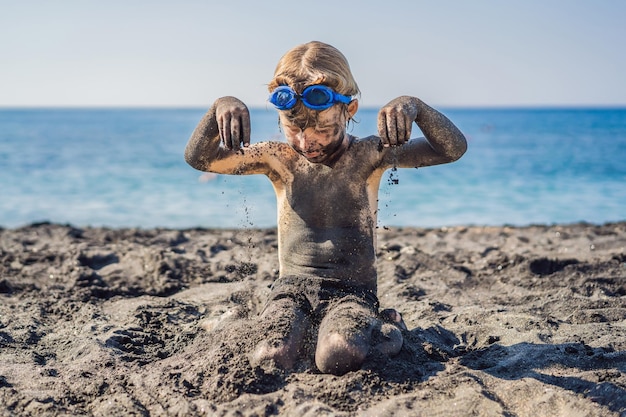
(314,294)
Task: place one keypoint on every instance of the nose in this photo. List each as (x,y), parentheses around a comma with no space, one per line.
(302,139)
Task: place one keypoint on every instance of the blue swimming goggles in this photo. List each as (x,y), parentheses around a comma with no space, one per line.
(316,97)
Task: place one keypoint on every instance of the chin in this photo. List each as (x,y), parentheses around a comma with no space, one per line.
(316,159)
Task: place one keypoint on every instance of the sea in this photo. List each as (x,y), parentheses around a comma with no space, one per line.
(124,167)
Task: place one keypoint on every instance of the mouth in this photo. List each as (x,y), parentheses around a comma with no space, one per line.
(311,154)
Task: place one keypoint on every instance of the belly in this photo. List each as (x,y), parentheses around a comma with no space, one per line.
(341,253)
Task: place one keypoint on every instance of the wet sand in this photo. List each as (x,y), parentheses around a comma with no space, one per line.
(502,321)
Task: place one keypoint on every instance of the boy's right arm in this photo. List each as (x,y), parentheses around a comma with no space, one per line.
(216,143)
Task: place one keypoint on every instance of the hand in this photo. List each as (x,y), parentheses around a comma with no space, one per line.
(395,121)
(233,122)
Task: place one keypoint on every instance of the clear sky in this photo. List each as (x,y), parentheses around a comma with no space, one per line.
(189,52)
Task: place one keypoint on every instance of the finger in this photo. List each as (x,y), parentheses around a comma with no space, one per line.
(382,128)
(220,127)
(392,128)
(400,131)
(245,124)
(402,128)
(225,132)
(408,126)
(235,133)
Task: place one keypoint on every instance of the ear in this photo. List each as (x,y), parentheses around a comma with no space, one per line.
(353,106)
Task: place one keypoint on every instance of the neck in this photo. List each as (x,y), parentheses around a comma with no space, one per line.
(335,153)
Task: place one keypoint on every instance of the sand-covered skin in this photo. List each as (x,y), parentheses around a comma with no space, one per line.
(502,321)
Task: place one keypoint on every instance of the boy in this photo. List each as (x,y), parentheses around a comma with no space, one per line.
(326,184)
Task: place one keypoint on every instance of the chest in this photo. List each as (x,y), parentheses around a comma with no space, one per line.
(320,194)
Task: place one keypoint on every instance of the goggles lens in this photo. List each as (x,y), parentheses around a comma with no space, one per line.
(316,97)
(283,98)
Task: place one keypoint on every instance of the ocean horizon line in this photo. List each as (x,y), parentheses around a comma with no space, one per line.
(512,107)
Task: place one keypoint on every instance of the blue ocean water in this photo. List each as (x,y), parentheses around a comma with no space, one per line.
(125,168)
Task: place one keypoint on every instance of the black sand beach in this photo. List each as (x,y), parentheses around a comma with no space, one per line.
(502,321)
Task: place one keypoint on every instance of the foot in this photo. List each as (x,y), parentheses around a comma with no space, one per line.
(337,355)
(392,316)
(389,341)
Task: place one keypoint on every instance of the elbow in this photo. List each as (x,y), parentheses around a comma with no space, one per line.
(457,146)
(190,157)
(453,150)
(193,160)
(460,149)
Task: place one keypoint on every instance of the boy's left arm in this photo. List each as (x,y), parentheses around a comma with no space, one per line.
(443,141)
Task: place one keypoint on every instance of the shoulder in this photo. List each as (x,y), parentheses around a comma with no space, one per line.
(367,147)
(367,142)
(368,150)
(277,157)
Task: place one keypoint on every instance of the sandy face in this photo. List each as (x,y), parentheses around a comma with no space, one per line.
(320,142)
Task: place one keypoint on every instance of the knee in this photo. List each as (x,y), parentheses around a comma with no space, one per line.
(337,355)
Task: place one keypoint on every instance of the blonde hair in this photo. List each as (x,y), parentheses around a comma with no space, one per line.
(313,63)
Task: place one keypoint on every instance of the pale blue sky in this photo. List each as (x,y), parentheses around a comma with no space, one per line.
(187,53)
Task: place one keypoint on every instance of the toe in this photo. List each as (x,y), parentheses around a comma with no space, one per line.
(390,315)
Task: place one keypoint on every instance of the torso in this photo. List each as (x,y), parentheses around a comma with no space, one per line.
(327,215)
